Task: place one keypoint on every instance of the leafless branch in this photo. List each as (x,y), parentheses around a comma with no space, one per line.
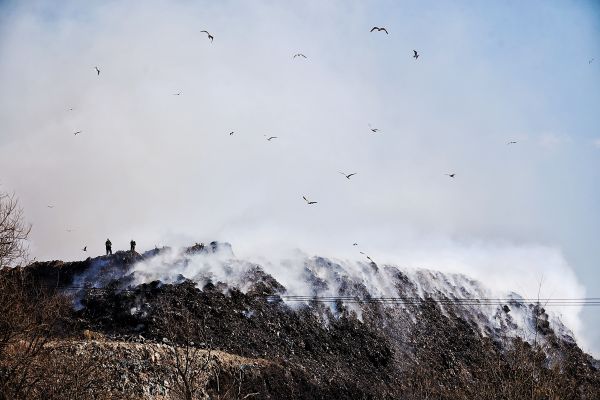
(13,232)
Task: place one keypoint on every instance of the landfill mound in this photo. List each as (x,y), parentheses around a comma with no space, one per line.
(427,343)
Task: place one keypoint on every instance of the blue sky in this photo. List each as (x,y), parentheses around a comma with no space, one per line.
(163,168)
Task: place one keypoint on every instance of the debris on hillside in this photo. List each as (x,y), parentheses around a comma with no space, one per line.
(430,344)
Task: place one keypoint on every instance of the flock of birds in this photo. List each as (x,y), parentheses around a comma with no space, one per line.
(270,138)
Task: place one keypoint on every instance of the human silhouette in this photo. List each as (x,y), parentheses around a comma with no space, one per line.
(108,247)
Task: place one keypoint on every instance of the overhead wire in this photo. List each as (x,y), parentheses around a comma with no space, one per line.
(466,301)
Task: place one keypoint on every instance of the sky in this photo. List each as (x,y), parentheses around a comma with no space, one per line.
(162,168)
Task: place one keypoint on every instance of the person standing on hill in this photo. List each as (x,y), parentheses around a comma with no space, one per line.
(108,247)
(132,245)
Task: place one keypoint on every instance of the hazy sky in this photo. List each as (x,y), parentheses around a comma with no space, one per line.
(163,169)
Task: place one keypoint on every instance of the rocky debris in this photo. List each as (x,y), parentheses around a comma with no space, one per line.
(386,353)
(145,371)
(212,247)
(425,347)
(541,320)
(91,335)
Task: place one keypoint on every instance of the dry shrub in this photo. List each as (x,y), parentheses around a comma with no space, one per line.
(187,364)
(33,364)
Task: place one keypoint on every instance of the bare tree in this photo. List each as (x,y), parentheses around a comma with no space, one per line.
(193,369)
(28,320)
(13,231)
(187,363)
(73,374)
(37,359)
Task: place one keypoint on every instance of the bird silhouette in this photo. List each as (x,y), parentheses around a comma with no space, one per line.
(347,175)
(308,201)
(231,133)
(416,55)
(354,244)
(299,55)
(97,70)
(374,130)
(177,94)
(368,258)
(50,206)
(375,28)
(511,142)
(84,248)
(452,175)
(76,133)
(270,137)
(209,35)
(591,61)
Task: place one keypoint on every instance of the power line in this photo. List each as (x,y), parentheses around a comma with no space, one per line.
(476,301)
(401,300)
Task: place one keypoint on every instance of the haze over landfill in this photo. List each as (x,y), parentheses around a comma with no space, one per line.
(153,158)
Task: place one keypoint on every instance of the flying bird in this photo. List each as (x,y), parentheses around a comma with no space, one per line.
(452,175)
(347,175)
(50,206)
(374,130)
(231,133)
(97,70)
(368,258)
(299,55)
(375,28)
(84,248)
(308,201)
(177,94)
(354,244)
(416,55)
(270,137)
(209,35)
(76,133)
(591,61)
(511,142)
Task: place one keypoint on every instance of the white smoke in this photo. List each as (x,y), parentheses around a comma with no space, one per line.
(466,271)
(163,170)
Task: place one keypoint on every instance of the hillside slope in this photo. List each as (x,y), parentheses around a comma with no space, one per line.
(428,339)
